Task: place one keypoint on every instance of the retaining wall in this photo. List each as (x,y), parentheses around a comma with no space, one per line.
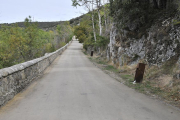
(15,78)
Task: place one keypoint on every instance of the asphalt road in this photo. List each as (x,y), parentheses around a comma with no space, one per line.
(74,89)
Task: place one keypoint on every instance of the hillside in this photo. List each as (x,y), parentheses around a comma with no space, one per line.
(48,25)
(29,40)
(41,25)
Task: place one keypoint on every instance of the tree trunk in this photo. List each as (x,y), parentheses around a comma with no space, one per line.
(98,3)
(93,22)
(100,26)
(105,16)
(162,4)
(93,27)
(105,21)
(155,4)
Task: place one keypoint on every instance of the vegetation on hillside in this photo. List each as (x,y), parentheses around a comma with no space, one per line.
(92,29)
(136,16)
(140,13)
(19,44)
(65,31)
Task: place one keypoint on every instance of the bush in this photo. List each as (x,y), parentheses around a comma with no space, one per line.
(62,44)
(22,44)
(101,41)
(81,33)
(142,14)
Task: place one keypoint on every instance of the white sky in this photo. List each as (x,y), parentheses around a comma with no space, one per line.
(41,10)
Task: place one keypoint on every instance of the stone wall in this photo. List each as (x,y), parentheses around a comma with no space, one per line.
(15,78)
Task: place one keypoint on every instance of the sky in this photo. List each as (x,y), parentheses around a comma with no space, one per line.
(40,10)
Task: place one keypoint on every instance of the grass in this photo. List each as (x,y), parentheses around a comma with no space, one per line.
(144,87)
(111,68)
(127,77)
(101,62)
(96,59)
(139,87)
(85,52)
(175,22)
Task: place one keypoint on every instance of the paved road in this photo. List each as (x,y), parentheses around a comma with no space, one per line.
(74,89)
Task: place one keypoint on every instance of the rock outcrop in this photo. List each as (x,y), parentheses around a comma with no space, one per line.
(159,44)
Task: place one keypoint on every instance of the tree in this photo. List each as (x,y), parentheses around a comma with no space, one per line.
(155,4)
(31,34)
(22,44)
(81,32)
(105,15)
(98,4)
(65,30)
(89,4)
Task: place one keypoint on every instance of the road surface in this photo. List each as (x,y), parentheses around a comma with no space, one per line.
(74,89)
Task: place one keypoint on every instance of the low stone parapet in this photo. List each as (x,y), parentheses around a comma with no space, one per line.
(15,78)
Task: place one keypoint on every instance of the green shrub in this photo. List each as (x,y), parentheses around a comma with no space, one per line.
(101,41)
(81,33)
(62,44)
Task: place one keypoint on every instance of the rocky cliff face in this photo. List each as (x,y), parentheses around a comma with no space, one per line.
(159,43)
